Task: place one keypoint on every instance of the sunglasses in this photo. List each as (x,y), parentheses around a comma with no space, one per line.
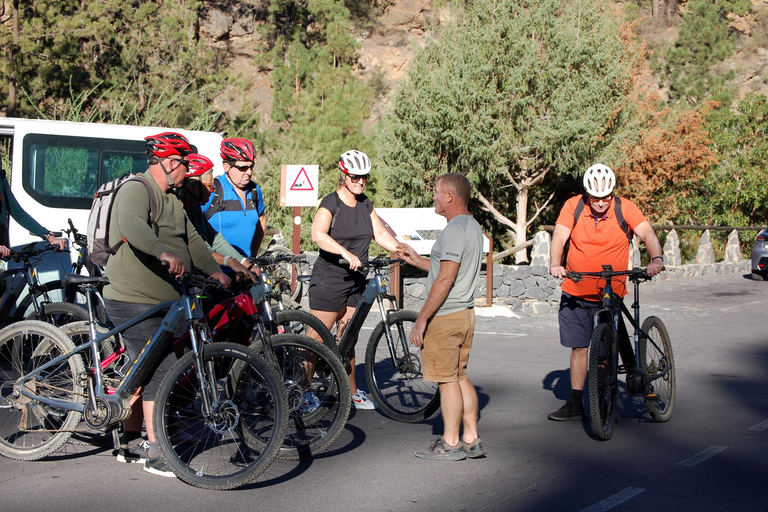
(185,163)
(595,200)
(242,168)
(355,179)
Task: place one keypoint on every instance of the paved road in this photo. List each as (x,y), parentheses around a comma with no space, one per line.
(712,455)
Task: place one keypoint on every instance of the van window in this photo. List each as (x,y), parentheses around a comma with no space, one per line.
(64,171)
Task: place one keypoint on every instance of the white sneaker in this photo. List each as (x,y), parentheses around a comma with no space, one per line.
(361,401)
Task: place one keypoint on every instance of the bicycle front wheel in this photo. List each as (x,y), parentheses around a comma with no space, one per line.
(658,363)
(395,376)
(602,373)
(283,273)
(318,390)
(205,427)
(30,430)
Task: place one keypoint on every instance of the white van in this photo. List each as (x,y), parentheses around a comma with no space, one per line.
(56,167)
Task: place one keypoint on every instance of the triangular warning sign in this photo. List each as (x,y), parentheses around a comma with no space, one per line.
(302,181)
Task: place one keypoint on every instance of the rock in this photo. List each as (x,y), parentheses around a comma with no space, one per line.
(216,25)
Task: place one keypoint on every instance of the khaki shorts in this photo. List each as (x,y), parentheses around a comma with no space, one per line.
(446,346)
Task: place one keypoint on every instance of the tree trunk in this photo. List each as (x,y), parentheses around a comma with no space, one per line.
(521,224)
(655,9)
(13,76)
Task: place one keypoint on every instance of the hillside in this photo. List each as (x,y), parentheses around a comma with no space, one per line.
(386,50)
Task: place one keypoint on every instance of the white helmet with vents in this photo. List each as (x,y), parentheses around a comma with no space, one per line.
(599,180)
(355,163)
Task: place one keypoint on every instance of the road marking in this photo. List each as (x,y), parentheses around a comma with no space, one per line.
(701,457)
(502,333)
(615,500)
(760,426)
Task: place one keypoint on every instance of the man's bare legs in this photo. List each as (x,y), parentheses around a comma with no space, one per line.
(458,403)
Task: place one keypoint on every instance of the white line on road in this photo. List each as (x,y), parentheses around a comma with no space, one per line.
(760,426)
(502,333)
(615,500)
(701,457)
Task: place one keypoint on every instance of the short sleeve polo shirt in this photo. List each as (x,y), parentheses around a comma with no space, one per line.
(595,243)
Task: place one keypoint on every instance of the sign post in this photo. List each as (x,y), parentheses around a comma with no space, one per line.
(298,187)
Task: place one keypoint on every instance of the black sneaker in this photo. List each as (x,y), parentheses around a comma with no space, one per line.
(134,452)
(474,449)
(441,450)
(567,412)
(158,466)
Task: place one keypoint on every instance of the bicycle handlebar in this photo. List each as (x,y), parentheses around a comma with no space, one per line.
(266,261)
(375,263)
(30,252)
(636,273)
(79,238)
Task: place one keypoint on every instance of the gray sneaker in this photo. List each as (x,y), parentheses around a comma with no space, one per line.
(158,466)
(474,449)
(135,452)
(441,450)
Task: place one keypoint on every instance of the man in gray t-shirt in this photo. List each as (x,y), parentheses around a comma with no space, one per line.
(446,323)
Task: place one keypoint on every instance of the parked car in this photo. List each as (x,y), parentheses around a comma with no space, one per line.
(760,256)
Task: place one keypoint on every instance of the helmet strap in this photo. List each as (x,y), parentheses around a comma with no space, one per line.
(167,173)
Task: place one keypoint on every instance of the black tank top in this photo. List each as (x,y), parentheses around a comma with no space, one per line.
(353,229)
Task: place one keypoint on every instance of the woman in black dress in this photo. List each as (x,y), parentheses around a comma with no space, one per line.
(343,227)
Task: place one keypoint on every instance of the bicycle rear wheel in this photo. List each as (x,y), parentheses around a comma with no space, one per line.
(310,368)
(30,430)
(207,440)
(59,313)
(658,364)
(297,321)
(398,385)
(603,389)
(57,291)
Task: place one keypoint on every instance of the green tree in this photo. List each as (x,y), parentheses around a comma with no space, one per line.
(734,192)
(511,93)
(704,40)
(122,59)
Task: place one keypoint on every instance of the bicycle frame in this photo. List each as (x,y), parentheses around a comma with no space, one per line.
(375,290)
(615,307)
(185,309)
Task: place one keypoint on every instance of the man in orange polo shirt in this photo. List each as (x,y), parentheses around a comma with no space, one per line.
(597,239)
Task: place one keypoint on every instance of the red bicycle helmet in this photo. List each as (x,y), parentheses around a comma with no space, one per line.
(167,144)
(237,149)
(198,165)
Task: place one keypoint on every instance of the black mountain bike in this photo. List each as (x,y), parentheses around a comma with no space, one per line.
(647,361)
(225,402)
(392,365)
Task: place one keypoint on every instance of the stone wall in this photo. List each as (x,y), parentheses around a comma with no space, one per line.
(530,288)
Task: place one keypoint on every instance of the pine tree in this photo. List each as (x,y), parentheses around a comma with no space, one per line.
(511,93)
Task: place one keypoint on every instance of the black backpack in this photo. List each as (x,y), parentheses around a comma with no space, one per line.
(619,217)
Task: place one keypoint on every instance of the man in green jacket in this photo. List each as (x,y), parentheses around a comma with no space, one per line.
(143,270)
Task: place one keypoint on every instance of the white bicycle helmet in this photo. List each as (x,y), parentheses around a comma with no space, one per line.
(355,163)
(599,180)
